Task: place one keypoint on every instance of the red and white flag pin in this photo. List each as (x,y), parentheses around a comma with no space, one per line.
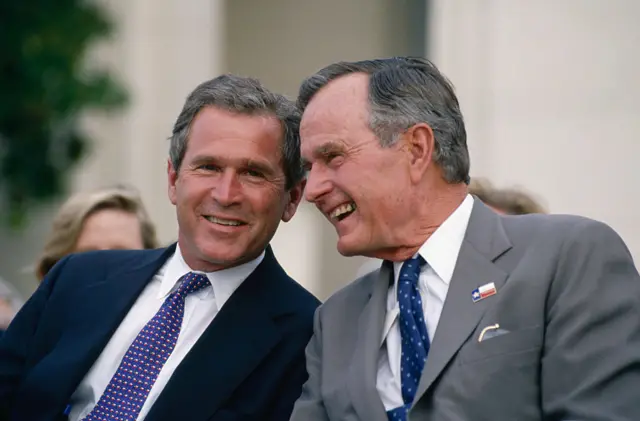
(484,291)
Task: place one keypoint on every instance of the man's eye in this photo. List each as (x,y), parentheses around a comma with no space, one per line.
(209,167)
(332,157)
(254,173)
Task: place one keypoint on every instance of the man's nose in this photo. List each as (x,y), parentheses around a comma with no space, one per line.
(228,189)
(318,183)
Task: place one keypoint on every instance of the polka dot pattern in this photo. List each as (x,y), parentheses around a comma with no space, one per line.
(399,414)
(129,387)
(413,330)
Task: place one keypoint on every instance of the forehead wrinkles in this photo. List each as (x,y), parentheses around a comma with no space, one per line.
(341,105)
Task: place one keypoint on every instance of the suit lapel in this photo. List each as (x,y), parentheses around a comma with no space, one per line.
(485,240)
(101,306)
(364,366)
(235,342)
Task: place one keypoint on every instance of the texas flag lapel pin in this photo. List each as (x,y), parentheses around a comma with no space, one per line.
(484,291)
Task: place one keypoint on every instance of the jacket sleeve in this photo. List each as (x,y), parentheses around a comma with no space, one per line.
(591,360)
(16,341)
(310,406)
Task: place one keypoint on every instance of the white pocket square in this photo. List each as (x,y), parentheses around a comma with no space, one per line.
(491,332)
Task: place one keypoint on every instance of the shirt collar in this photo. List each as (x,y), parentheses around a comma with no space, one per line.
(443,246)
(223,282)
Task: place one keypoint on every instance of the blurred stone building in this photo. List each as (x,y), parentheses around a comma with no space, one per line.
(549,89)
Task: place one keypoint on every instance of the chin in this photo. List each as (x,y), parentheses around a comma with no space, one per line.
(228,255)
(217,257)
(348,249)
(359,245)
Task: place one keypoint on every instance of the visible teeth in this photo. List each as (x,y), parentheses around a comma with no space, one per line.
(222,221)
(343,209)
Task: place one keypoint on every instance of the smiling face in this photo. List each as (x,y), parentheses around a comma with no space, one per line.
(229,191)
(360,186)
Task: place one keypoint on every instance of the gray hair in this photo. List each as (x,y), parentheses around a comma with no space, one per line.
(244,96)
(404,91)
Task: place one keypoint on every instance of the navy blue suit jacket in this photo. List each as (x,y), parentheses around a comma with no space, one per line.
(248,364)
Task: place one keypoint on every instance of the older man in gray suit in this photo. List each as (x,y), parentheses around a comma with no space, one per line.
(473,316)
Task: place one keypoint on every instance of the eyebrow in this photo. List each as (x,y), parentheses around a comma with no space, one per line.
(261,166)
(322,151)
(325,149)
(258,165)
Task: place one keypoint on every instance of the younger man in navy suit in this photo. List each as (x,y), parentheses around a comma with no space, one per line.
(211,328)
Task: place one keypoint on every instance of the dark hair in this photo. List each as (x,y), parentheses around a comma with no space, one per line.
(244,96)
(404,91)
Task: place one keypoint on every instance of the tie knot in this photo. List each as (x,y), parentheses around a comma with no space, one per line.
(410,270)
(192,282)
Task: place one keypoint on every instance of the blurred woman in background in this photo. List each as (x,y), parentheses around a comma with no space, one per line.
(509,201)
(110,218)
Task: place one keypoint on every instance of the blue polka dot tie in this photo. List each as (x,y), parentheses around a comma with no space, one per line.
(413,330)
(130,385)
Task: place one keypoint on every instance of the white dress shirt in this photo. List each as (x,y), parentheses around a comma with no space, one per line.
(199,310)
(441,253)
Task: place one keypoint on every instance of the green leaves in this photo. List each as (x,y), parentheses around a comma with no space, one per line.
(44,86)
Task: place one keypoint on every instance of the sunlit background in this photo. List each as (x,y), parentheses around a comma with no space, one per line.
(550,90)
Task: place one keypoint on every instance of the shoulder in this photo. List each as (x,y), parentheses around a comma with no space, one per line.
(564,228)
(102,264)
(299,298)
(285,294)
(353,297)
(113,259)
(565,242)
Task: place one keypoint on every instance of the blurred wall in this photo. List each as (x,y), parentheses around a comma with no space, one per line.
(551,97)
(549,90)
(19,249)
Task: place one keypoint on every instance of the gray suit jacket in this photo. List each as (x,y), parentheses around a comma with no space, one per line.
(568,347)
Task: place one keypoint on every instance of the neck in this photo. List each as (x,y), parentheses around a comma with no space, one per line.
(428,213)
(198,261)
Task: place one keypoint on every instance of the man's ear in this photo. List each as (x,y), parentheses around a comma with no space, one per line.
(172,177)
(293,200)
(419,142)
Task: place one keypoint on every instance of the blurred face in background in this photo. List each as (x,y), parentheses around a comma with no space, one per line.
(107,229)
(230,190)
(102,219)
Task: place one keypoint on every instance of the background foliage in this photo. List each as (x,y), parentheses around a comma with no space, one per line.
(45,84)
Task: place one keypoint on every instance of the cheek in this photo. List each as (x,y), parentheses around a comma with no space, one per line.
(191,191)
(380,200)
(265,203)
(379,211)
(368,187)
